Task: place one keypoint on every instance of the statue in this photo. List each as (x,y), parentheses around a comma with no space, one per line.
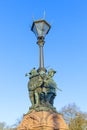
(34,87)
(42,88)
(50,86)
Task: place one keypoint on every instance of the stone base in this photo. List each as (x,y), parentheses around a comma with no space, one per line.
(42,120)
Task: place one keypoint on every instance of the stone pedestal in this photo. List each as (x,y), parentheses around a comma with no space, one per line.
(42,120)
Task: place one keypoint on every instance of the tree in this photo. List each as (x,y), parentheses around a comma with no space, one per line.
(2,125)
(74,117)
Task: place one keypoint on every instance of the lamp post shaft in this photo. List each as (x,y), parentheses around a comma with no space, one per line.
(41,55)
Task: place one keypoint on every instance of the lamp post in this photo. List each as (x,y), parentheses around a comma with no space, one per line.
(40,28)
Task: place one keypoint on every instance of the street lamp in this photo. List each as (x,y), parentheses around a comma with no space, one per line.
(40,28)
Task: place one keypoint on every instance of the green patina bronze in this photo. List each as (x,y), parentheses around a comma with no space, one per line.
(42,89)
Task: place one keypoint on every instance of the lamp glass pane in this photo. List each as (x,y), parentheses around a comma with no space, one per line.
(40,28)
(35,30)
(46,28)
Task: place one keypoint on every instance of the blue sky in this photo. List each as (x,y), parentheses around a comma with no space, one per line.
(65,50)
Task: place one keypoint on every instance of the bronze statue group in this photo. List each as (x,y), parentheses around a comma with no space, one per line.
(42,88)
